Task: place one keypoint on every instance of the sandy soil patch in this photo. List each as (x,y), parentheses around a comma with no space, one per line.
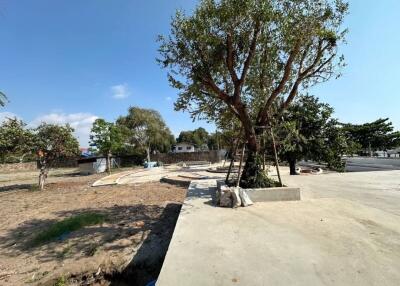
(140,222)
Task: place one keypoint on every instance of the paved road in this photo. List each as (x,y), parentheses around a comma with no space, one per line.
(372,164)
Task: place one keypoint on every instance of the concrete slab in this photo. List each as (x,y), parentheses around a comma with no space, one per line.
(380,189)
(274,194)
(139,176)
(331,239)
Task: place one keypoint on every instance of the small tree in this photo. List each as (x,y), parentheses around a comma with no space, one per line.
(107,138)
(245,57)
(53,142)
(148,130)
(15,139)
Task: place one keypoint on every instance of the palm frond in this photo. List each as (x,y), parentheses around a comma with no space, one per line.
(3,99)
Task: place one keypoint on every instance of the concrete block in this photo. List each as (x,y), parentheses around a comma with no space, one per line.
(274,194)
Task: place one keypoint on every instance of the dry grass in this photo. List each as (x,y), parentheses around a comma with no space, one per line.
(70,242)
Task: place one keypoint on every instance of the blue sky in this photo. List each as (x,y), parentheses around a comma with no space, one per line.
(73,61)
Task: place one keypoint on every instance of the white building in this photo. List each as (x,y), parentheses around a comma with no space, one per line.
(394,153)
(184,148)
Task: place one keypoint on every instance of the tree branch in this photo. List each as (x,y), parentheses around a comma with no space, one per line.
(309,72)
(262,116)
(252,49)
(230,61)
(209,82)
(292,94)
(321,66)
(320,53)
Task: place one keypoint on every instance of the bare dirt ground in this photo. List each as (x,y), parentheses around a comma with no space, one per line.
(129,247)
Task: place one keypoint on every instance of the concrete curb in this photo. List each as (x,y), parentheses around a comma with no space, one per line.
(270,194)
(177,182)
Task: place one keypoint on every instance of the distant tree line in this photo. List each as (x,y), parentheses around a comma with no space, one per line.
(378,135)
(306,130)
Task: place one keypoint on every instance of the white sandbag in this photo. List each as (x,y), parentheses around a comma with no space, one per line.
(236,200)
(225,197)
(246,201)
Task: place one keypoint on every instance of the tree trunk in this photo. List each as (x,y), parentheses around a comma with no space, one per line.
(276,158)
(42,175)
(108,163)
(148,154)
(252,175)
(292,166)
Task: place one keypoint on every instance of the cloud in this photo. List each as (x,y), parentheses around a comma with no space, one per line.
(168,98)
(120,91)
(81,122)
(5,115)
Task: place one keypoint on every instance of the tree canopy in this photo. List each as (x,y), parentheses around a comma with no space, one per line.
(147,130)
(15,139)
(198,137)
(373,136)
(251,58)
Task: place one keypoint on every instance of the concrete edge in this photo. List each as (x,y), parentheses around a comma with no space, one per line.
(181,183)
(270,194)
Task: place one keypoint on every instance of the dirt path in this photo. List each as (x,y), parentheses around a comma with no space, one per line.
(140,221)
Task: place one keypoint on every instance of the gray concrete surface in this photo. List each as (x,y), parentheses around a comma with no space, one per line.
(139,176)
(274,194)
(380,189)
(365,164)
(344,231)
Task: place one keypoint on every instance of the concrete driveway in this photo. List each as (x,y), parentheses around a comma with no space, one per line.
(345,231)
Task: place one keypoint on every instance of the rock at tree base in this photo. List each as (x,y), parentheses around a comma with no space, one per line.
(225,197)
(236,200)
(232,197)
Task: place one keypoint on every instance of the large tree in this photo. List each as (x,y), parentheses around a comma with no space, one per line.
(107,138)
(245,57)
(148,130)
(53,142)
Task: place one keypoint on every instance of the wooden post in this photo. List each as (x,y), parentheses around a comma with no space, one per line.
(232,161)
(263,148)
(276,157)
(240,164)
